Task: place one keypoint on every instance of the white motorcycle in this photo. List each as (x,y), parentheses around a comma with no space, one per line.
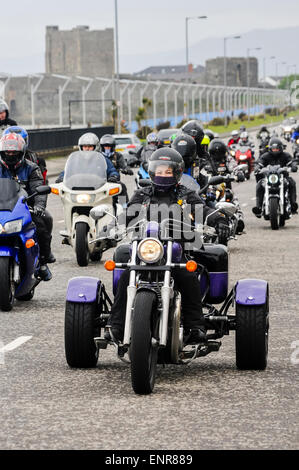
(85,186)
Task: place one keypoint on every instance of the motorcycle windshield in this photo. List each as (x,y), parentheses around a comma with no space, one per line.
(9,194)
(85,171)
(189,182)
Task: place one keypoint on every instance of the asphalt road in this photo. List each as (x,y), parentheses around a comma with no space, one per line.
(207,405)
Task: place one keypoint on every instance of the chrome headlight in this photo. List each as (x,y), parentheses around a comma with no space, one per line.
(83,198)
(150,250)
(243,157)
(273,179)
(14,226)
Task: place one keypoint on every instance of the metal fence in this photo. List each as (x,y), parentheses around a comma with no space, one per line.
(44,100)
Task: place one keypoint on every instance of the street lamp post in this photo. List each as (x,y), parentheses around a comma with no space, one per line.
(187,39)
(117,67)
(225,75)
(248,77)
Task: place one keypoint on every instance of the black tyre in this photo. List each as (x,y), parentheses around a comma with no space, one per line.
(143,354)
(7,289)
(274,217)
(96,256)
(79,334)
(252,326)
(82,251)
(26,297)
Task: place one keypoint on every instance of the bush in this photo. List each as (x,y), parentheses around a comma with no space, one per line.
(163,125)
(217,122)
(143,132)
(242,115)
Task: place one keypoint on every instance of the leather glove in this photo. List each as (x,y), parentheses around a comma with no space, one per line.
(223,230)
(39,211)
(113,179)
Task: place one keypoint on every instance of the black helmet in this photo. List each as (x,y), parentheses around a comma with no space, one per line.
(195,130)
(170,166)
(108,141)
(186,146)
(263,128)
(297,129)
(218,150)
(275,146)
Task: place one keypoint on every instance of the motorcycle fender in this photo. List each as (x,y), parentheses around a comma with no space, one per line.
(9,252)
(251,292)
(83,290)
(80,218)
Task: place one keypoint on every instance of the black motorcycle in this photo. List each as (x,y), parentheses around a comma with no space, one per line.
(276,204)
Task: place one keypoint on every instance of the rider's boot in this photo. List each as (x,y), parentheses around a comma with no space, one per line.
(257,212)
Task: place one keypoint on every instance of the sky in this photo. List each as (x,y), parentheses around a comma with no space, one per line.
(145,27)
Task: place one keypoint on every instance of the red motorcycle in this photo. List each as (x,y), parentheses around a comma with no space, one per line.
(244,155)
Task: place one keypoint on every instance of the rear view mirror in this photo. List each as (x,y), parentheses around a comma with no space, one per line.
(43,190)
(99,211)
(144,183)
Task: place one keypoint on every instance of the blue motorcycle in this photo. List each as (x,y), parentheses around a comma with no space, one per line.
(19,250)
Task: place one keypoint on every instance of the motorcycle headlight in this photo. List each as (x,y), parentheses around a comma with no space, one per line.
(233,153)
(14,226)
(243,157)
(83,198)
(273,179)
(150,250)
(297,141)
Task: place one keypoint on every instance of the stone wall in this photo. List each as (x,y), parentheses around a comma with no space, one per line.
(80,52)
(236,71)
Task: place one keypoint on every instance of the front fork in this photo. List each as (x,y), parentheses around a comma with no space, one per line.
(166,293)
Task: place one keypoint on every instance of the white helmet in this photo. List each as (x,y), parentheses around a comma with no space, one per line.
(89,139)
(235,134)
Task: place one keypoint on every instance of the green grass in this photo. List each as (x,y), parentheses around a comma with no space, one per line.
(255,123)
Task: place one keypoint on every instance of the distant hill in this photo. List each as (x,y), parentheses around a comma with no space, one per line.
(281,43)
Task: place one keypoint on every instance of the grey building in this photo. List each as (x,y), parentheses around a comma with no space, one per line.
(172,73)
(80,51)
(236,71)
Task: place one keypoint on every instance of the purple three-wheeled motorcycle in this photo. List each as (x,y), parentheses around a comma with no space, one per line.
(154,332)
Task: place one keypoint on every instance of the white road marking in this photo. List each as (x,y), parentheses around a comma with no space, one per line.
(253,198)
(15,344)
(60,221)
(244,205)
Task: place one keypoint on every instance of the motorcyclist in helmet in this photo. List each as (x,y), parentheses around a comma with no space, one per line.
(165,170)
(244,139)
(107,147)
(242,129)
(144,153)
(235,137)
(29,154)
(89,142)
(13,165)
(195,130)
(274,156)
(5,120)
(186,146)
(225,165)
(263,130)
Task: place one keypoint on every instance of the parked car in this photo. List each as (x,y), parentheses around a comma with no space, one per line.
(126,142)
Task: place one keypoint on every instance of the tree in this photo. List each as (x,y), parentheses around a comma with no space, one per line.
(142,115)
